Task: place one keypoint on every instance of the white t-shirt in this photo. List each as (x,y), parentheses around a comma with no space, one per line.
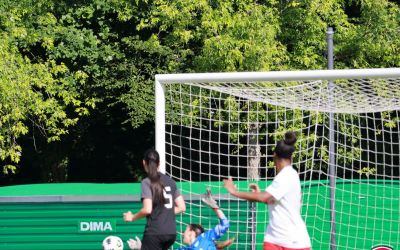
(286,228)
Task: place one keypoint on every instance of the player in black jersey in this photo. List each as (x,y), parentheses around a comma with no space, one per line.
(161,202)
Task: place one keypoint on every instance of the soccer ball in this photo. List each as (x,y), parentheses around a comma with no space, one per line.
(113,243)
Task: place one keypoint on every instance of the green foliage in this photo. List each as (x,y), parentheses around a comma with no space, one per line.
(373,39)
(37,96)
(367,171)
(218,35)
(33,95)
(62,60)
(304,24)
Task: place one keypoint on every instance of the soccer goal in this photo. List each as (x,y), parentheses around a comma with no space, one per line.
(213,125)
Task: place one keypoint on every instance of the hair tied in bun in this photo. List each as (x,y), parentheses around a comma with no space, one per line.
(290,138)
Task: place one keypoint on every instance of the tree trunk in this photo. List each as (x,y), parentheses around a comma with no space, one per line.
(253,153)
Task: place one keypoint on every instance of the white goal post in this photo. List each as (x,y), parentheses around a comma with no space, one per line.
(211,125)
(162,79)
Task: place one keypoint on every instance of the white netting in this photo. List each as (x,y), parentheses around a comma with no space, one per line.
(348,96)
(215,130)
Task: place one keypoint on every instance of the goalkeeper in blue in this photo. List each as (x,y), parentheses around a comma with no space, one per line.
(195,236)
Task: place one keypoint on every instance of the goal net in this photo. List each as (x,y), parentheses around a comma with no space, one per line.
(213,125)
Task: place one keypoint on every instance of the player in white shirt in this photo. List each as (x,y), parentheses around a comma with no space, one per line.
(286,229)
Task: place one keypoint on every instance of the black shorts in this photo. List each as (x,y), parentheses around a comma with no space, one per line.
(158,242)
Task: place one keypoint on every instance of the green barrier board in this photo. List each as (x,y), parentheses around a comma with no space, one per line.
(81,215)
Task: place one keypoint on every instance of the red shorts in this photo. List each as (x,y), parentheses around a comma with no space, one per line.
(270,246)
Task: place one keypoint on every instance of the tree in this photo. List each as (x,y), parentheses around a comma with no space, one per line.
(97,44)
(35,96)
(92,63)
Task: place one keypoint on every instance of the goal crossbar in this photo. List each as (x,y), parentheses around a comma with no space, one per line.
(308,75)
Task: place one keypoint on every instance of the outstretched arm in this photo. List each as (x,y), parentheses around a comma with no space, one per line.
(223,225)
(219,229)
(219,213)
(256,195)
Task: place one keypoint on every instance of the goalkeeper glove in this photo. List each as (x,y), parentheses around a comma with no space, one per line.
(134,244)
(209,200)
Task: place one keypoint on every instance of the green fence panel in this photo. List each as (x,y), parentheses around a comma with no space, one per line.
(80,216)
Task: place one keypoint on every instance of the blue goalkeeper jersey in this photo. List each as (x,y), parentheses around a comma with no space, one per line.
(205,241)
